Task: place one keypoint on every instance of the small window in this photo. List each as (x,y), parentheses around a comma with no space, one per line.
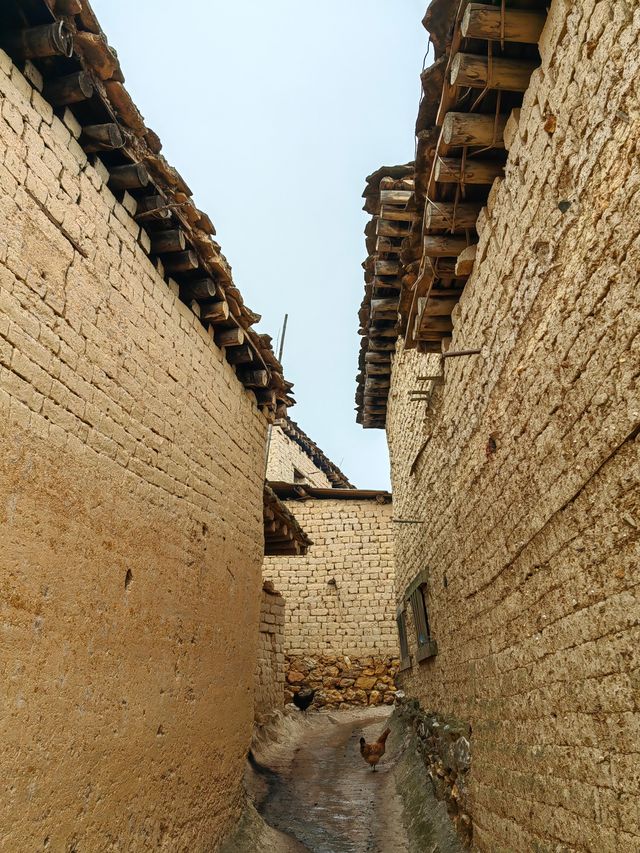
(401,622)
(417,595)
(298,476)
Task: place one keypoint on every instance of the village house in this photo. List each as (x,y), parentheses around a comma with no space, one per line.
(500,352)
(136,398)
(339,625)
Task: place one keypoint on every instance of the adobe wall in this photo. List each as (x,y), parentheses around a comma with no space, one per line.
(285,455)
(270,671)
(340,635)
(528,480)
(131,464)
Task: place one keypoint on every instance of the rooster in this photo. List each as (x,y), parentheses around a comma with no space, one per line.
(304,698)
(373,752)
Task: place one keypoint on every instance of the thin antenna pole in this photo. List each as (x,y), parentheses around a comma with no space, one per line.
(283,335)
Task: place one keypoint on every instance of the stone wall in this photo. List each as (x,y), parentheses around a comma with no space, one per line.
(525,464)
(131,465)
(270,672)
(286,456)
(340,635)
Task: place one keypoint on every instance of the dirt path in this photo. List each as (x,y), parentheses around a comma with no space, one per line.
(321,793)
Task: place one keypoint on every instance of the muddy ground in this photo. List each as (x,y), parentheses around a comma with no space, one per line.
(310,790)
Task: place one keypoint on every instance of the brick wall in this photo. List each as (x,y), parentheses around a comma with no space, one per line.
(270,672)
(528,477)
(131,485)
(286,456)
(340,625)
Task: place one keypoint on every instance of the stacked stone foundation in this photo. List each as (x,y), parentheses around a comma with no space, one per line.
(341,681)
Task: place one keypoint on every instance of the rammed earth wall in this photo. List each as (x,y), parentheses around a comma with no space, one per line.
(340,619)
(270,672)
(525,468)
(131,464)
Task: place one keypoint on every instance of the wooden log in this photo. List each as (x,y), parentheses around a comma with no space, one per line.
(216,312)
(395,196)
(153,207)
(436,324)
(240,355)
(381,345)
(229,337)
(68,7)
(439,306)
(265,396)
(447,216)
(181,262)
(38,42)
(203,288)
(377,358)
(132,176)
(386,267)
(168,241)
(102,137)
(444,247)
(386,246)
(71,89)
(388,228)
(384,308)
(378,370)
(484,131)
(466,260)
(481,21)
(253,378)
(448,170)
(510,75)
(397,214)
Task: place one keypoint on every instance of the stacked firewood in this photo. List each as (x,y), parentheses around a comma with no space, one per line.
(485,55)
(283,535)
(64,42)
(388,269)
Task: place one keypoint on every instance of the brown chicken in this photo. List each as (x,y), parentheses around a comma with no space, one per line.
(373,752)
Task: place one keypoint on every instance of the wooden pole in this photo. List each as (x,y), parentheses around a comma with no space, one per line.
(448,170)
(240,355)
(481,21)
(216,312)
(444,247)
(168,241)
(484,131)
(447,216)
(38,42)
(230,337)
(511,75)
(102,137)
(204,288)
(132,176)
(71,89)
(181,262)
(387,228)
(254,378)
(395,196)
(386,267)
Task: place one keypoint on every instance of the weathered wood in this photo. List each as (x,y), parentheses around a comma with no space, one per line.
(378,370)
(439,306)
(265,396)
(444,215)
(381,345)
(132,176)
(475,130)
(216,312)
(38,42)
(395,196)
(377,358)
(204,288)
(173,240)
(253,378)
(386,246)
(181,262)
(384,309)
(71,89)
(240,355)
(444,247)
(466,260)
(485,22)
(397,214)
(448,170)
(68,7)
(386,267)
(511,75)
(102,137)
(387,228)
(230,337)
(153,207)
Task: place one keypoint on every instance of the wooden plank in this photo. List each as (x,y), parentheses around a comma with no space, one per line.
(486,131)
(448,170)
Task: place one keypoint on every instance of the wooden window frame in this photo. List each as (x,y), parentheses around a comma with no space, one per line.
(416,594)
(401,624)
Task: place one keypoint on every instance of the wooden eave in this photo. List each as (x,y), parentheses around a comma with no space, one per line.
(303,492)
(82,73)
(335,476)
(283,535)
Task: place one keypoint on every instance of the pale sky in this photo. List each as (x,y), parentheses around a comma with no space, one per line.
(274,113)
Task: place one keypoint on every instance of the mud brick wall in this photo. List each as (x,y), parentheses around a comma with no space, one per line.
(131,465)
(270,672)
(286,455)
(340,634)
(528,479)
